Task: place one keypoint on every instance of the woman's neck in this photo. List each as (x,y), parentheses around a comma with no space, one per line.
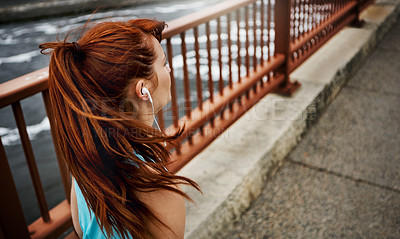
(147,119)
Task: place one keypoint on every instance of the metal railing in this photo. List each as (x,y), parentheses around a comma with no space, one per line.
(262,43)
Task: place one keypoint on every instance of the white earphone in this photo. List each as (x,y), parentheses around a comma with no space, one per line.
(145,91)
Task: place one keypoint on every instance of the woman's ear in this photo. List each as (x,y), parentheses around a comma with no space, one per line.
(139,92)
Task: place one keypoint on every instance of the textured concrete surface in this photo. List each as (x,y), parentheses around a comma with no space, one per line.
(299,202)
(343,179)
(234,169)
(360,136)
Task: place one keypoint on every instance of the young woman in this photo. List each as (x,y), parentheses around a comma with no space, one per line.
(104,90)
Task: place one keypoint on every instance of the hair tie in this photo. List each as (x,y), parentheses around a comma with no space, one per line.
(77,47)
(78,54)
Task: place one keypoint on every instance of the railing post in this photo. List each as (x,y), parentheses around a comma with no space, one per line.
(282,20)
(12,220)
(358,22)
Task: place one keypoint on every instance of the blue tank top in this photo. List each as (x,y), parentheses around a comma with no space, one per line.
(87,220)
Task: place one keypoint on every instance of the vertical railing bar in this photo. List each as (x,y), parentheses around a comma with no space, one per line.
(219,45)
(321,13)
(188,107)
(228,19)
(292,22)
(308,22)
(255,42)
(255,36)
(318,7)
(318,14)
(247,45)
(300,17)
(65,178)
(306,15)
(12,218)
(262,32)
(228,31)
(297,25)
(335,7)
(198,76)
(269,12)
(319,10)
(239,57)
(175,112)
(209,58)
(239,46)
(303,20)
(246,20)
(30,158)
(310,15)
(293,18)
(330,9)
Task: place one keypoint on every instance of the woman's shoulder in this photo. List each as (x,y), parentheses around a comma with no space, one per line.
(169,207)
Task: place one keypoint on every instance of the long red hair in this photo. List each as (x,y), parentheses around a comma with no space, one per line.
(99,142)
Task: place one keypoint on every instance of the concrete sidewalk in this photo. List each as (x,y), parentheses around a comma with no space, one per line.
(343,179)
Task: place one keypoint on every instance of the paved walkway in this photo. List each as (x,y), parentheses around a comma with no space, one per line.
(343,179)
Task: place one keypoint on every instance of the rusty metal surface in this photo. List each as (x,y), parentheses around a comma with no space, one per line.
(23,87)
(211,109)
(192,20)
(307,43)
(200,141)
(12,218)
(61,221)
(30,160)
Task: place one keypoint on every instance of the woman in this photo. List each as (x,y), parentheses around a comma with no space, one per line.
(104,90)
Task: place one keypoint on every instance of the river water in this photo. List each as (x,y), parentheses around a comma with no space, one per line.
(19,55)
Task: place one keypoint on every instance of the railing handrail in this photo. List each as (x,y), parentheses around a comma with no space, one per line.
(37,81)
(189,21)
(24,86)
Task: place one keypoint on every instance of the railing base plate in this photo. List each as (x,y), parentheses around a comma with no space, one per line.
(358,23)
(287,89)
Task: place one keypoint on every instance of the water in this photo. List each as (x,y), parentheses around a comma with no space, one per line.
(19,55)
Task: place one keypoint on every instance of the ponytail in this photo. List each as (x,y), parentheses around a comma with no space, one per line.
(99,143)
